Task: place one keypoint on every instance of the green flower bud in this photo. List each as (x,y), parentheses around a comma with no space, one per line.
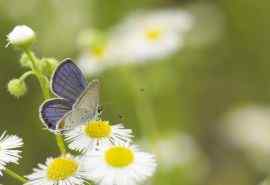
(24,61)
(47,65)
(21,36)
(17,87)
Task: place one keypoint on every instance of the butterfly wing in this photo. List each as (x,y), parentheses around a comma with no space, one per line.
(89,98)
(52,112)
(68,81)
(85,108)
(74,118)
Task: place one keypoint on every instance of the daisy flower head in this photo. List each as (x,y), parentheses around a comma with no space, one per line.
(8,150)
(120,164)
(63,170)
(95,134)
(21,36)
(153,35)
(97,51)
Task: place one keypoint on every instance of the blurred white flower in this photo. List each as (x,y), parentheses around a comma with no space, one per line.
(8,150)
(181,149)
(96,134)
(152,35)
(248,129)
(21,36)
(63,170)
(178,150)
(98,50)
(143,36)
(120,164)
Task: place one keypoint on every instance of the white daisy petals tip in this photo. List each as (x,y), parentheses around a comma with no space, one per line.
(8,150)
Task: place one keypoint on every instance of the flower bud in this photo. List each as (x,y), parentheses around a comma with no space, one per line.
(17,87)
(24,61)
(47,65)
(21,36)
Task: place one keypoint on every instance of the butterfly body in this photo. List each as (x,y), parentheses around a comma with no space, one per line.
(76,102)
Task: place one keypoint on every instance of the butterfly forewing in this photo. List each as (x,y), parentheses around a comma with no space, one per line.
(68,81)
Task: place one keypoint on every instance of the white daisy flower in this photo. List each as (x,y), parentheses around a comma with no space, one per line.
(21,36)
(63,170)
(8,150)
(95,134)
(120,164)
(153,35)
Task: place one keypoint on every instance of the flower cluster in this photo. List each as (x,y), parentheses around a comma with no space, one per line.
(105,155)
(23,37)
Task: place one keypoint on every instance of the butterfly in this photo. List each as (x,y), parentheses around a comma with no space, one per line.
(76,101)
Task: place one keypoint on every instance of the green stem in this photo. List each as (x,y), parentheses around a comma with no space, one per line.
(143,105)
(15,175)
(25,75)
(43,81)
(60,143)
(44,84)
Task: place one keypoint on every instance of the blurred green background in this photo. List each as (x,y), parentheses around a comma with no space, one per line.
(225,64)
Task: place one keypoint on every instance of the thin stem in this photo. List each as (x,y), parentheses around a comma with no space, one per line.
(60,143)
(143,105)
(43,81)
(44,84)
(15,175)
(25,75)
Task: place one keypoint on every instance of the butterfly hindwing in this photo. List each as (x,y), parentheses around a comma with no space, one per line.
(85,108)
(68,81)
(53,110)
(73,119)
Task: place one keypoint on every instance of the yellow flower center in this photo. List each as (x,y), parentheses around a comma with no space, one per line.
(153,34)
(98,129)
(98,51)
(61,168)
(119,156)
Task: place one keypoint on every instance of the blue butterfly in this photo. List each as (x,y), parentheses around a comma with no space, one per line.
(76,102)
